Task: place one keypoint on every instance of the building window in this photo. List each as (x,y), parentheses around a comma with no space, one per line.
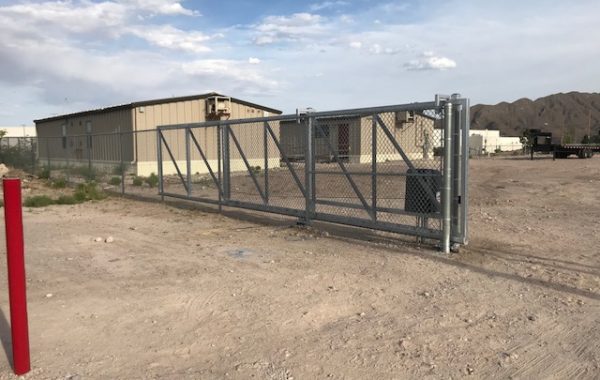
(322,131)
(64,136)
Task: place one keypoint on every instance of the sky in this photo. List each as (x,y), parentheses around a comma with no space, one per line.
(66,56)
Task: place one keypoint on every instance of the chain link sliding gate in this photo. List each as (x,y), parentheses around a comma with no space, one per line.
(398,168)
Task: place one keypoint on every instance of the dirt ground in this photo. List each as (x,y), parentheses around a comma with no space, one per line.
(192,294)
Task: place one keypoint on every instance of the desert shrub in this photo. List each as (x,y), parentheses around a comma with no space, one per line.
(88,173)
(38,201)
(438,151)
(59,183)
(120,169)
(255,169)
(88,192)
(1,203)
(44,173)
(67,200)
(138,181)
(152,180)
(115,181)
(498,150)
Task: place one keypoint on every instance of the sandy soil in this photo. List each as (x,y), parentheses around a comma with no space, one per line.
(192,294)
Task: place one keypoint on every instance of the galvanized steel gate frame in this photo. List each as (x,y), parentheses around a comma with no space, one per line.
(451,199)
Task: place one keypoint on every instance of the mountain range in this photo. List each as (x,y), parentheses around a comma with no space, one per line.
(573,114)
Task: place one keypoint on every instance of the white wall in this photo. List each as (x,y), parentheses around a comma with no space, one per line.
(482,141)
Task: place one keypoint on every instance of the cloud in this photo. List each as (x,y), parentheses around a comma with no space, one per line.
(430,61)
(253,61)
(166,36)
(81,20)
(242,74)
(327,5)
(355,44)
(296,27)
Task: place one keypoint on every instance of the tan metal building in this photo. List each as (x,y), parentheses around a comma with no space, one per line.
(350,137)
(127,133)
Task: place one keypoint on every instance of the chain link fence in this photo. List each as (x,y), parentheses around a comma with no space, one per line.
(387,168)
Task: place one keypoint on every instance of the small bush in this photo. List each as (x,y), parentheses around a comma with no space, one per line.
(59,183)
(115,181)
(38,201)
(138,181)
(88,192)
(67,200)
(1,203)
(152,180)
(44,173)
(255,169)
(120,169)
(88,173)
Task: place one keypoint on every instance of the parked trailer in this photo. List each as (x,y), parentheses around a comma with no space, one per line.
(542,142)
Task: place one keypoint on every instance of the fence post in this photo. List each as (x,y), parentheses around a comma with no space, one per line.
(309,162)
(13,222)
(374,166)
(160,163)
(456,170)
(88,141)
(48,155)
(67,170)
(266,154)
(447,179)
(188,162)
(226,163)
(122,162)
(220,185)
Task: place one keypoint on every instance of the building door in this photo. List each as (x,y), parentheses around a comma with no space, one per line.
(343,141)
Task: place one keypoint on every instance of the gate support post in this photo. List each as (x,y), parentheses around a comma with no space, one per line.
(226,163)
(447,179)
(188,162)
(309,163)
(160,163)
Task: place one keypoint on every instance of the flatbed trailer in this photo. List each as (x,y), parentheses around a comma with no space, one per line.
(542,142)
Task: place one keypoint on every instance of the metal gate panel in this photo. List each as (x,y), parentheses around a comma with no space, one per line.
(397,168)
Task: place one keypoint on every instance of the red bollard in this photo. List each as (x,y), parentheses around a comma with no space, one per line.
(13,221)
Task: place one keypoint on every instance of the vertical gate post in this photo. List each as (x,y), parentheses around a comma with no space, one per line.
(374,166)
(188,161)
(447,179)
(67,170)
(226,163)
(160,163)
(456,171)
(266,154)
(309,163)
(220,175)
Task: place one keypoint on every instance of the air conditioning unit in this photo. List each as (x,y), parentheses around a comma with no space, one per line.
(217,106)
(405,116)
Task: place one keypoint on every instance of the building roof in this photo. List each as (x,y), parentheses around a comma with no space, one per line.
(153,102)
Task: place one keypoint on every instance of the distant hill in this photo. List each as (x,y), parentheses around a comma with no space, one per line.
(560,114)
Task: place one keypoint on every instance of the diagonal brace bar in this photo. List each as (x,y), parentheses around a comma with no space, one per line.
(237,144)
(286,160)
(347,175)
(162,137)
(210,171)
(409,163)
